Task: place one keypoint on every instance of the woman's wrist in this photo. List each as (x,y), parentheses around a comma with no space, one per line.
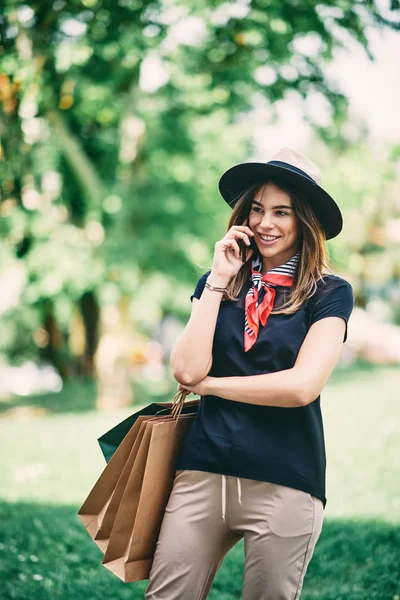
(218,280)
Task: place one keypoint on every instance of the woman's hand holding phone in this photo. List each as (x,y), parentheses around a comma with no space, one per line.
(230,253)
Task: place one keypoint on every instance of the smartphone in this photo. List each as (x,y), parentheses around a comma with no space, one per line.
(244,247)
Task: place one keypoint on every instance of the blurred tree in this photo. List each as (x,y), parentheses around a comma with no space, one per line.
(117,118)
(367,188)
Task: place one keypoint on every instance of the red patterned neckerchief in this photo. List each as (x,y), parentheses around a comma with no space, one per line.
(256,313)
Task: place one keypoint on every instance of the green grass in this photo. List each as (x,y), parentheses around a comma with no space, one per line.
(45,554)
(50,463)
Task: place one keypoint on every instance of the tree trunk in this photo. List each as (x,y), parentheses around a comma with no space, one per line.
(113,360)
(56,351)
(90,314)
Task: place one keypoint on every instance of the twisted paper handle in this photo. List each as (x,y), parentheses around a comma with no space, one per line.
(178,402)
(177,405)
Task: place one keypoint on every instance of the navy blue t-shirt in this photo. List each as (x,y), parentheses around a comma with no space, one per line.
(266,443)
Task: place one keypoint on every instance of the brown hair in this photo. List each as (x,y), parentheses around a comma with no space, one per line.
(313,261)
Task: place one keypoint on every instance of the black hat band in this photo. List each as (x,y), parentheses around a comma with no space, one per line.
(289,167)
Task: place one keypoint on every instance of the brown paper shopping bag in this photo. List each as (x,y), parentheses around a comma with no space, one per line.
(110,484)
(100,508)
(132,543)
(103,534)
(108,514)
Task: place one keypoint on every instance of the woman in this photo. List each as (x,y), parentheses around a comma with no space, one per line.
(263,338)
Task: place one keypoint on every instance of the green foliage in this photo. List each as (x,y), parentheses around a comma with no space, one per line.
(106,169)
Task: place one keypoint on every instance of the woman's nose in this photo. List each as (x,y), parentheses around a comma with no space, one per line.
(267,221)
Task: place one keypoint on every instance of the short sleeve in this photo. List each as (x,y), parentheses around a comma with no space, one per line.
(335,299)
(200,286)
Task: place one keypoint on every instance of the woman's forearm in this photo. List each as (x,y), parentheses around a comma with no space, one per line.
(283,388)
(191,356)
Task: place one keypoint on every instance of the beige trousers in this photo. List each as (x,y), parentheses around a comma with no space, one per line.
(208,513)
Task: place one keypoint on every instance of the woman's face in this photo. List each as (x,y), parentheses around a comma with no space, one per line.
(272,214)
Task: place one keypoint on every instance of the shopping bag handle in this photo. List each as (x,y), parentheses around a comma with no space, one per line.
(177,403)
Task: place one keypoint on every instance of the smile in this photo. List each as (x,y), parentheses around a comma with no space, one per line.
(268,239)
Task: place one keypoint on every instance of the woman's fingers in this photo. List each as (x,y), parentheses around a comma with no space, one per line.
(228,255)
(240,231)
(182,387)
(233,245)
(249,252)
(243,228)
(238,234)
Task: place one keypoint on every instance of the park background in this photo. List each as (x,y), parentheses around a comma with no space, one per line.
(116,121)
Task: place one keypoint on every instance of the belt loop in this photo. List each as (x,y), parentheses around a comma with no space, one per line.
(224,498)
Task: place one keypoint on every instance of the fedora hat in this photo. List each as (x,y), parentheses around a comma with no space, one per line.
(296,169)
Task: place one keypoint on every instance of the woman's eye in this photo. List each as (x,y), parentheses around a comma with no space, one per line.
(257,209)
